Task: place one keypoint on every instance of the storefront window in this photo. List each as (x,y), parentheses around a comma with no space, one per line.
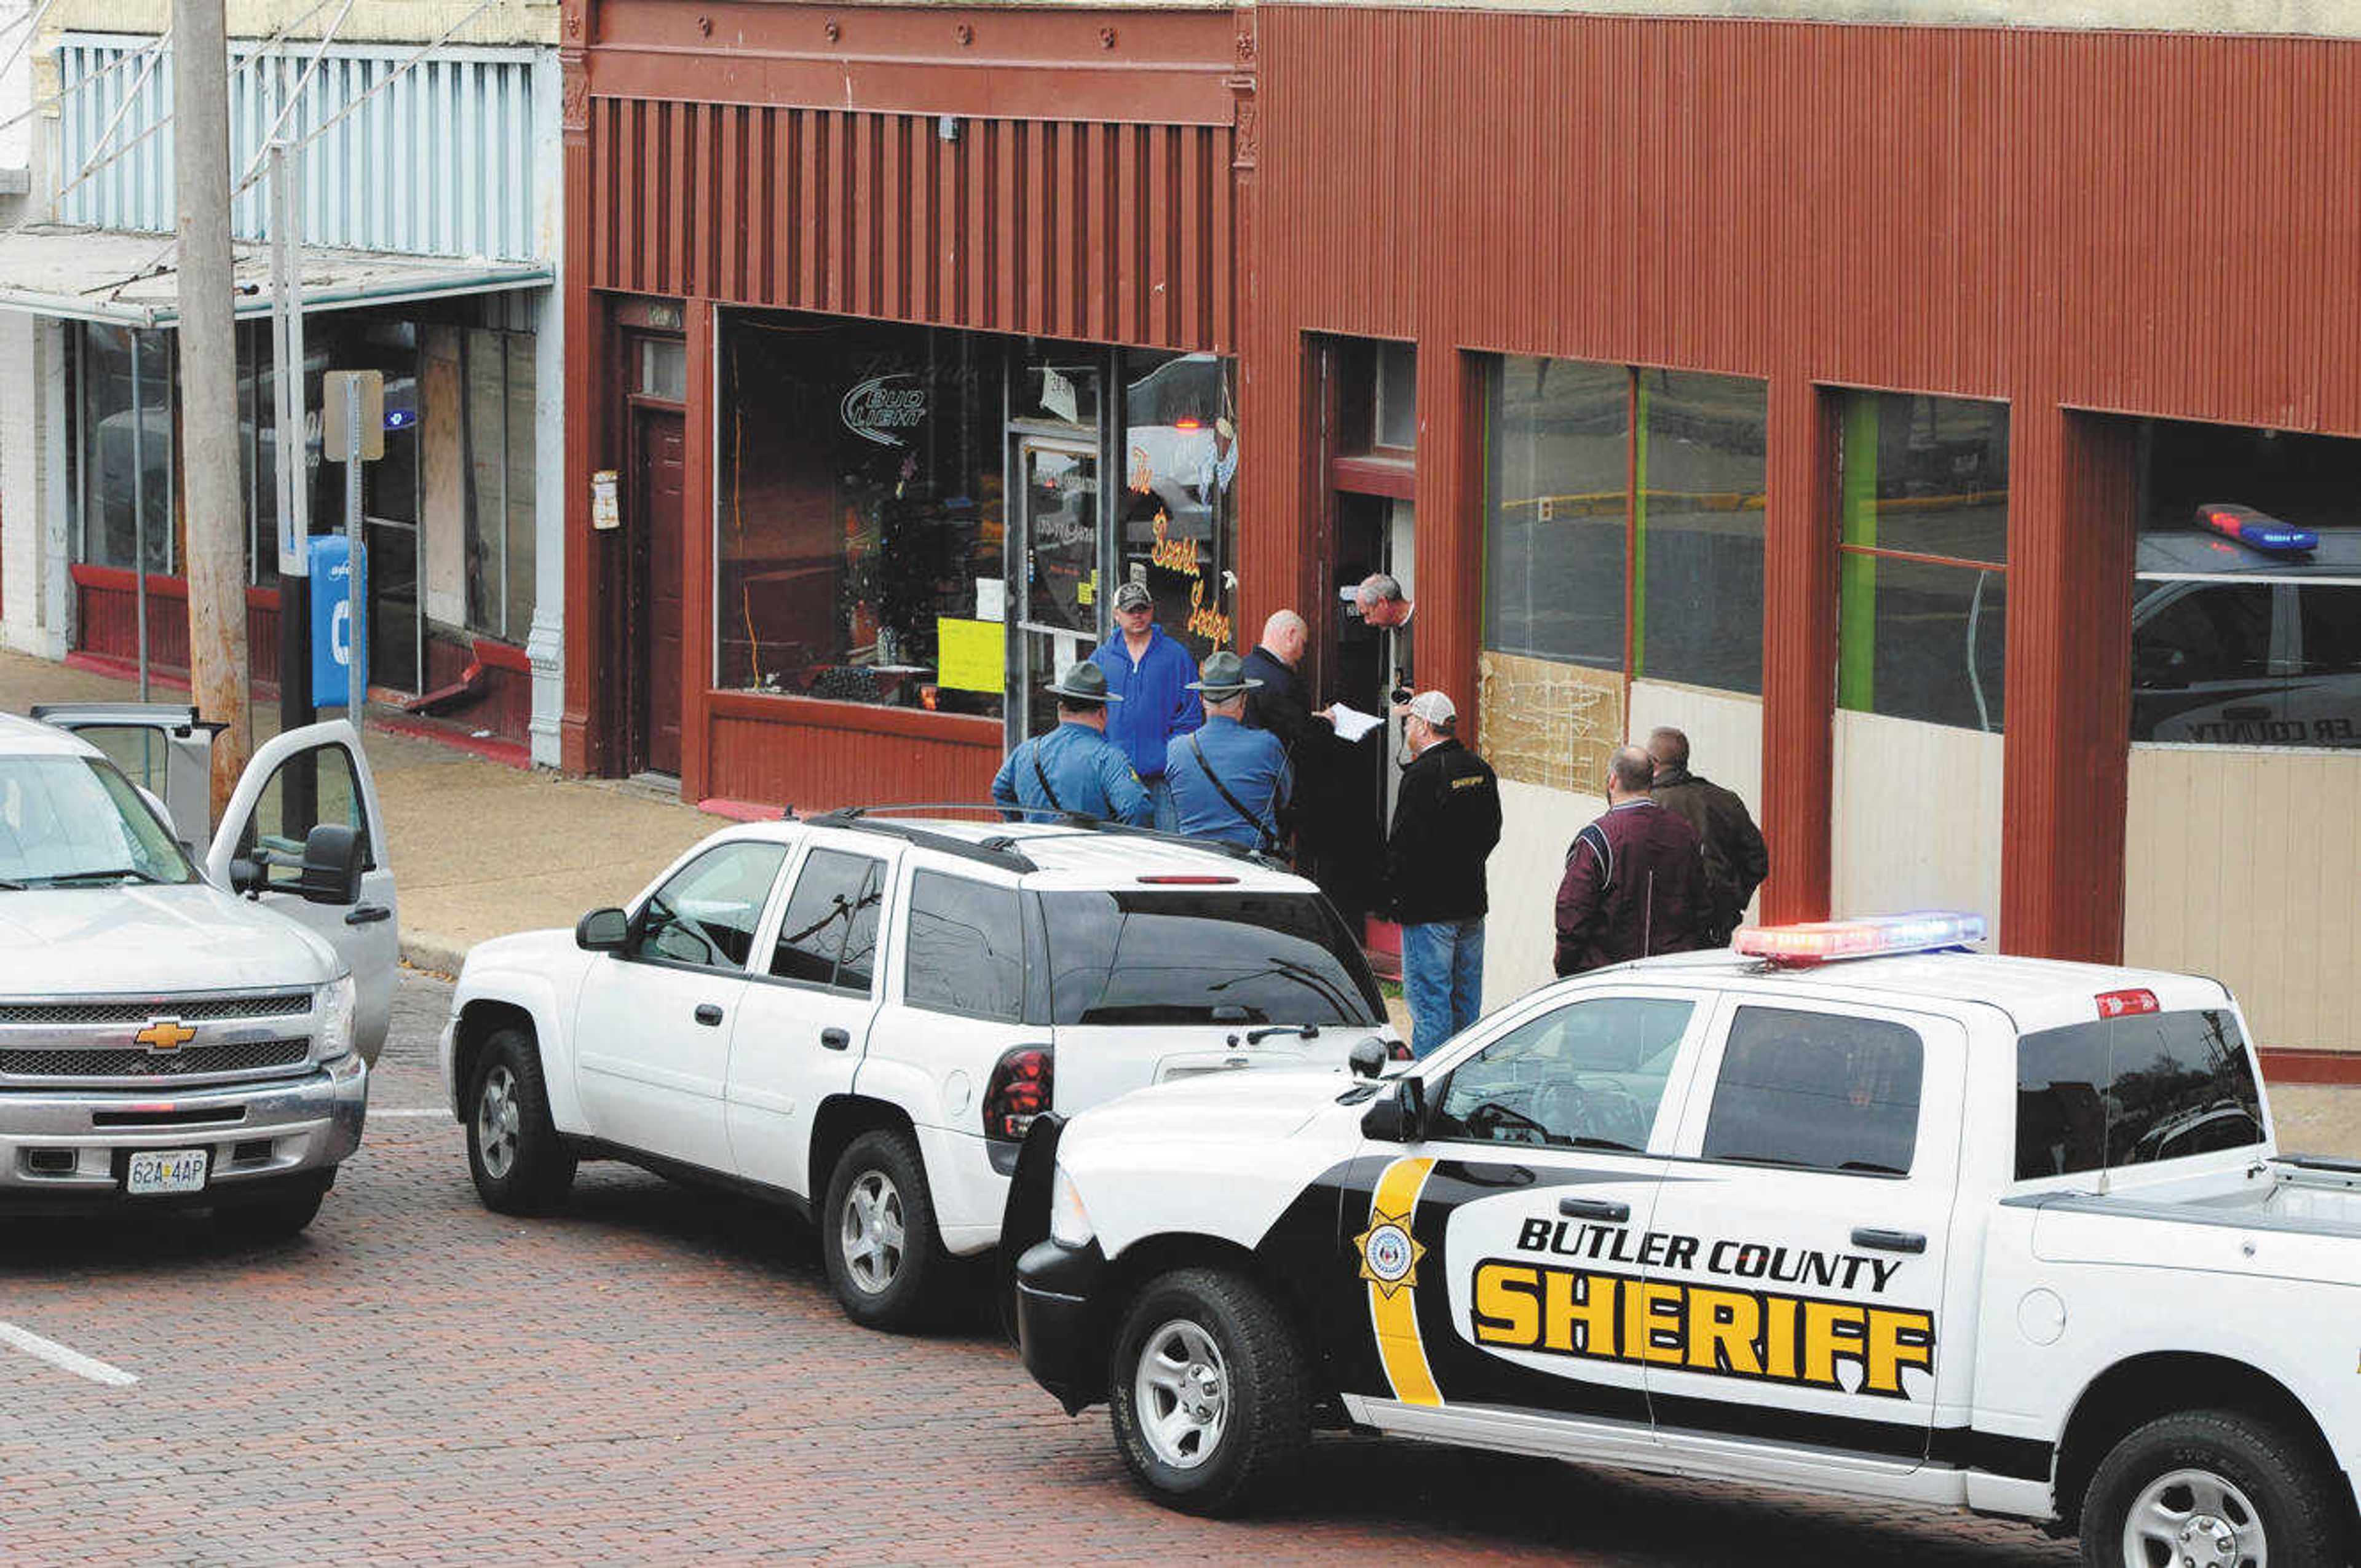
(498,374)
(859,514)
(1560,445)
(1179,532)
(125,435)
(1697,571)
(1924,599)
(2246,599)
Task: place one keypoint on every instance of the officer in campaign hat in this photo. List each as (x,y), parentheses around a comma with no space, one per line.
(1228,780)
(1074,768)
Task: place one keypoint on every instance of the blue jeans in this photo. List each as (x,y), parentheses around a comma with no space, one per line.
(1159,795)
(1443,979)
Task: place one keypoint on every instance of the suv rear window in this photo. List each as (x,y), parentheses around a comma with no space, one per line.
(1166,957)
(2131,1090)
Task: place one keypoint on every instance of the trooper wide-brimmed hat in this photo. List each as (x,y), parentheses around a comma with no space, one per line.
(1224,674)
(1083,681)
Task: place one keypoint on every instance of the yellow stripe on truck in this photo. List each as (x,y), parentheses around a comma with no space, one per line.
(1393,1281)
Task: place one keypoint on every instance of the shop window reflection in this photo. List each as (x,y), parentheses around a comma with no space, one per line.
(1178,526)
(861,514)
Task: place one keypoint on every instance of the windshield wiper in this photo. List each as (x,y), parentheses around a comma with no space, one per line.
(117,874)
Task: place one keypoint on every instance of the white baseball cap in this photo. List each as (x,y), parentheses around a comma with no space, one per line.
(1433,707)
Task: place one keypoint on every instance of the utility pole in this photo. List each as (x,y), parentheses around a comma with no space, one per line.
(216,543)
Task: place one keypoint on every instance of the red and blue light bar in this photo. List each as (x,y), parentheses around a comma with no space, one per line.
(2259,531)
(1877,936)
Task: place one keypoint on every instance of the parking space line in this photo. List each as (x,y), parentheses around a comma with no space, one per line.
(59,1357)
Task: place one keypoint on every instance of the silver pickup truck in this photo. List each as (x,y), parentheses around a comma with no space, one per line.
(187,1018)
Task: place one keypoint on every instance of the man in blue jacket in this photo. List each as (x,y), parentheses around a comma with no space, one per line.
(1228,780)
(1072,768)
(1149,674)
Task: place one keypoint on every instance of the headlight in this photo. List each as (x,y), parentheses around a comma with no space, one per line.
(334,1004)
(1069,1222)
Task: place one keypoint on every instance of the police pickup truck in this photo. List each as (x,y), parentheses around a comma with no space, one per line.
(1984,1232)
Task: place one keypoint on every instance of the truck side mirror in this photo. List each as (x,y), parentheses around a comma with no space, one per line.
(1398,1117)
(603,931)
(248,875)
(1368,1058)
(332,865)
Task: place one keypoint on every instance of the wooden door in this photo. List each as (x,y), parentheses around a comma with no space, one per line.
(657,615)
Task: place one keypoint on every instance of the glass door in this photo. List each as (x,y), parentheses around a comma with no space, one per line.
(1054,579)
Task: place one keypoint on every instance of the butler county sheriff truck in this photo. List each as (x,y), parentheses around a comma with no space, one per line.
(1834,1210)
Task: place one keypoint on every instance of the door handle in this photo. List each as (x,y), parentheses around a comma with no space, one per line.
(368,915)
(708,1014)
(836,1040)
(1889,1240)
(1595,1209)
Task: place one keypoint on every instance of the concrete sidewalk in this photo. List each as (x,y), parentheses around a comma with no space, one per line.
(478,849)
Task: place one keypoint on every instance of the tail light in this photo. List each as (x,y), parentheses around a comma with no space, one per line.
(1019,1091)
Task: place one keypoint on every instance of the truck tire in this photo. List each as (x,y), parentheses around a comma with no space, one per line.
(520,1162)
(279,1218)
(877,1235)
(2215,1487)
(1207,1392)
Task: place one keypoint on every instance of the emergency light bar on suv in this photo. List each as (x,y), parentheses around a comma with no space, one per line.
(1877,936)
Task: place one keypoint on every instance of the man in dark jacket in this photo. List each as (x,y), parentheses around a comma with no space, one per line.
(1634,882)
(1446,819)
(1735,861)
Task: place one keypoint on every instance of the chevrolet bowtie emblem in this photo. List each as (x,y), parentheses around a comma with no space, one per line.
(162,1037)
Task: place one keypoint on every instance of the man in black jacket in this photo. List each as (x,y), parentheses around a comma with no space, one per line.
(1446,820)
(1735,860)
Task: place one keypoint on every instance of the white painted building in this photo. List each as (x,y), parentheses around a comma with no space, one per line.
(431,223)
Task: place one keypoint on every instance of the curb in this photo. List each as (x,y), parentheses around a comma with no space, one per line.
(434,955)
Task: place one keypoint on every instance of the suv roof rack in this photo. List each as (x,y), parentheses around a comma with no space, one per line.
(1001,852)
(1005,851)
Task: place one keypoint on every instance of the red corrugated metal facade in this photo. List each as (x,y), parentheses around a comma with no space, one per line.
(2140,224)
(2145,224)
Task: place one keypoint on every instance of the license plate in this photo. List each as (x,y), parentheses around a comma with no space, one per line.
(166,1170)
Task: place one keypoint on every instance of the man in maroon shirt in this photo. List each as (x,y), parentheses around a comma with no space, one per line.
(1634,882)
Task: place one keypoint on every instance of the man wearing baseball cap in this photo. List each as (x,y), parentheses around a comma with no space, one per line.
(1149,674)
(1228,782)
(1072,768)
(1446,821)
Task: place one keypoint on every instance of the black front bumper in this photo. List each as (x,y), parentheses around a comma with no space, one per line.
(1060,1326)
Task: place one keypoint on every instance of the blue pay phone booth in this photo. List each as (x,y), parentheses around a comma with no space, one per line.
(337,584)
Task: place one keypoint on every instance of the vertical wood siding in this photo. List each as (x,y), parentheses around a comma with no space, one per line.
(1075,229)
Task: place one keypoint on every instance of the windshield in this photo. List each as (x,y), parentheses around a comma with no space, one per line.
(76,821)
(2130,1090)
(1204,958)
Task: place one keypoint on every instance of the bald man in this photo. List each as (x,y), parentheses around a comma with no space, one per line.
(1280,704)
(1634,881)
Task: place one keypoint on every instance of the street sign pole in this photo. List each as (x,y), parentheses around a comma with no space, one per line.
(352,459)
(293,488)
(352,432)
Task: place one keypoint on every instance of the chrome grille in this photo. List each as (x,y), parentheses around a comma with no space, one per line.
(140,1009)
(116,1061)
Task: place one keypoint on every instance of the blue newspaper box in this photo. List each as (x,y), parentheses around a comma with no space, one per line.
(335,583)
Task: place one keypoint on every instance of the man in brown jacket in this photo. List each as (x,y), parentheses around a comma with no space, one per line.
(1735,861)
(1634,882)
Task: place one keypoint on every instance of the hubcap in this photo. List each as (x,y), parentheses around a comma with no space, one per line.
(1181,1394)
(2193,1518)
(870,1231)
(495,1123)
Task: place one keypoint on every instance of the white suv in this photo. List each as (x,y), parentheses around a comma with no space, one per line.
(861,1016)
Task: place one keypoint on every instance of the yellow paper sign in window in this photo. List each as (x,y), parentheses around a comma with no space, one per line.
(972,655)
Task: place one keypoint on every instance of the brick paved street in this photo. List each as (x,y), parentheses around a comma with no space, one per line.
(661,1376)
